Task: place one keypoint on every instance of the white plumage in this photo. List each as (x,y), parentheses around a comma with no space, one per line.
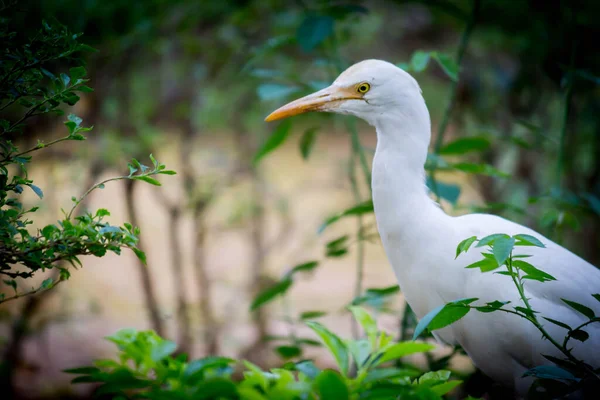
(420,239)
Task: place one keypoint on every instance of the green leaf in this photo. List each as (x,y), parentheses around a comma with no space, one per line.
(489,240)
(464,246)
(163,350)
(466,145)
(359,209)
(270,293)
(448,64)
(558,323)
(446,387)
(307,141)
(37,190)
(480,169)
(527,240)
(140,254)
(313,30)
(84,89)
(588,312)
(65,79)
(167,172)
(147,179)
(331,386)
(367,322)
(82,370)
(551,372)
(443,315)
(596,296)
(446,191)
(335,345)
(308,368)
(305,267)
(216,388)
(404,349)
(419,60)
(288,351)
(485,265)
(279,136)
(77,73)
(275,91)
(47,284)
(580,335)
(312,314)
(532,272)
(492,306)
(502,249)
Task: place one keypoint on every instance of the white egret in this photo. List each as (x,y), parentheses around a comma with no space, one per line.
(420,239)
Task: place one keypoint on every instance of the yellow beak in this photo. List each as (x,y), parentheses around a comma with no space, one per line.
(324,100)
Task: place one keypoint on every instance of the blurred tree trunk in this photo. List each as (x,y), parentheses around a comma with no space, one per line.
(150,296)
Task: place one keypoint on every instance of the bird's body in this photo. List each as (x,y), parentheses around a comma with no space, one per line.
(420,240)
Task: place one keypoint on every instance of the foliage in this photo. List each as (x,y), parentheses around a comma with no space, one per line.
(147,369)
(569,373)
(28,89)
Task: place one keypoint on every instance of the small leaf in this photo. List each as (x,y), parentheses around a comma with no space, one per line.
(502,249)
(446,191)
(580,335)
(312,314)
(167,172)
(464,246)
(37,190)
(359,209)
(335,345)
(77,73)
(596,296)
(492,306)
(588,312)
(270,293)
(466,145)
(449,66)
(147,179)
(558,323)
(446,387)
(404,349)
(419,60)
(307,141)
(47,284)
(305,267)
(140,254)
(485,265)
(527,240)
(279,136)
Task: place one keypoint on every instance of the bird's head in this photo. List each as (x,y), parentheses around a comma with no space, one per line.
(369,90)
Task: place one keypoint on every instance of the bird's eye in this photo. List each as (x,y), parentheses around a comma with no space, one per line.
(363,88)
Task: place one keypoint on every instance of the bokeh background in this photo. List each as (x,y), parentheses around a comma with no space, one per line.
(191,82)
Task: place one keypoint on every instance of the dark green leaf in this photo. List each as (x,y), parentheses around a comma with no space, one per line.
(465,145)
(279,136)
(313,30)
(82,370)
(558,323)
(446,387)
(485,265)
(77,73)
(446,191)
(305,267)
(217,388)
(312,314)
(551,372)
(139,254)
(270,293)
(492,306)
(335,345)
(47,284)
(288,351)
(588,312)
(580,335)
(331,386)
(596,296)
(480,169)
(307,141)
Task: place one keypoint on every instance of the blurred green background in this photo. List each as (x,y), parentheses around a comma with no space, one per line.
(191,82)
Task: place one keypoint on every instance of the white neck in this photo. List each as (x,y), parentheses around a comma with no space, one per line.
(404,211)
